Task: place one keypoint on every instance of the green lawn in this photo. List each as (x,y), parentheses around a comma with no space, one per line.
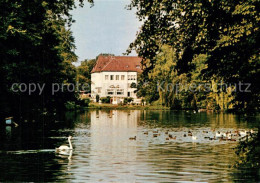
(113,106)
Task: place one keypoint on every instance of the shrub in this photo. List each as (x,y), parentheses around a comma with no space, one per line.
(128,100)
(71,105)
(83,102)
(105,99)
(86,102)
(125,101)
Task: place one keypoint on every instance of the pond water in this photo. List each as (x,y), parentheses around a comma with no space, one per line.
(103,151)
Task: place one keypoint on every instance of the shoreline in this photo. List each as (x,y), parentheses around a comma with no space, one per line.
(130,107)
(158,107)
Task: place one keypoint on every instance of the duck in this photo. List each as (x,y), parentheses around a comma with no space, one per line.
(155,135)
(167,138)
(174,138)
(15,124)
(214,138)
(64,147)
(132,138)
(229,136)
(146,133)
(194,138)
(224,134)
(218,134)
(189,133)
(155,131)
(243,133)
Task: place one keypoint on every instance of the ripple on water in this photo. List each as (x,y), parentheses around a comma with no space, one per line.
(103,152)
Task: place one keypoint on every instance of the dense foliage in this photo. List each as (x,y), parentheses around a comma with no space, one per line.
(84,74)
(36,46)
(248,151)
(105,100)
(186,90)
(216,39)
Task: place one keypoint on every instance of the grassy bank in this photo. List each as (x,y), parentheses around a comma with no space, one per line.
(131,107)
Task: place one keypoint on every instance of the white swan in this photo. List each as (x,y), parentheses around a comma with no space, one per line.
(64,147)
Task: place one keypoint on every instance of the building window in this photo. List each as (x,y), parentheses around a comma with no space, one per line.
(120,92)
(110,92)
(106,77)
(117,77)
(122,77)
(111,77)
(99,90)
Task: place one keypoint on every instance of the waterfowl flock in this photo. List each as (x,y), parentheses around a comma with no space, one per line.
(196,135)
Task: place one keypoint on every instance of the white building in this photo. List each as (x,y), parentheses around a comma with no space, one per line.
(113,76)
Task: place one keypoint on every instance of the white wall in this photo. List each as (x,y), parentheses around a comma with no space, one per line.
(99,80)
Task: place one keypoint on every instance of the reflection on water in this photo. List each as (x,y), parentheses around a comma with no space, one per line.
(103,151)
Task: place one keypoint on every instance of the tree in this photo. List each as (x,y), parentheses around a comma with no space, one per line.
(226,31)
(105,99)
(212,41)
(84,72)
(36,46)
(128,100)
(133,85)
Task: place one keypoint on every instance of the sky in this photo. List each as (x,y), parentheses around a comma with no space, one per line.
(107,27)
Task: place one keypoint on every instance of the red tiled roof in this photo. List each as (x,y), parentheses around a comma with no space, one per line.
(117,63)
